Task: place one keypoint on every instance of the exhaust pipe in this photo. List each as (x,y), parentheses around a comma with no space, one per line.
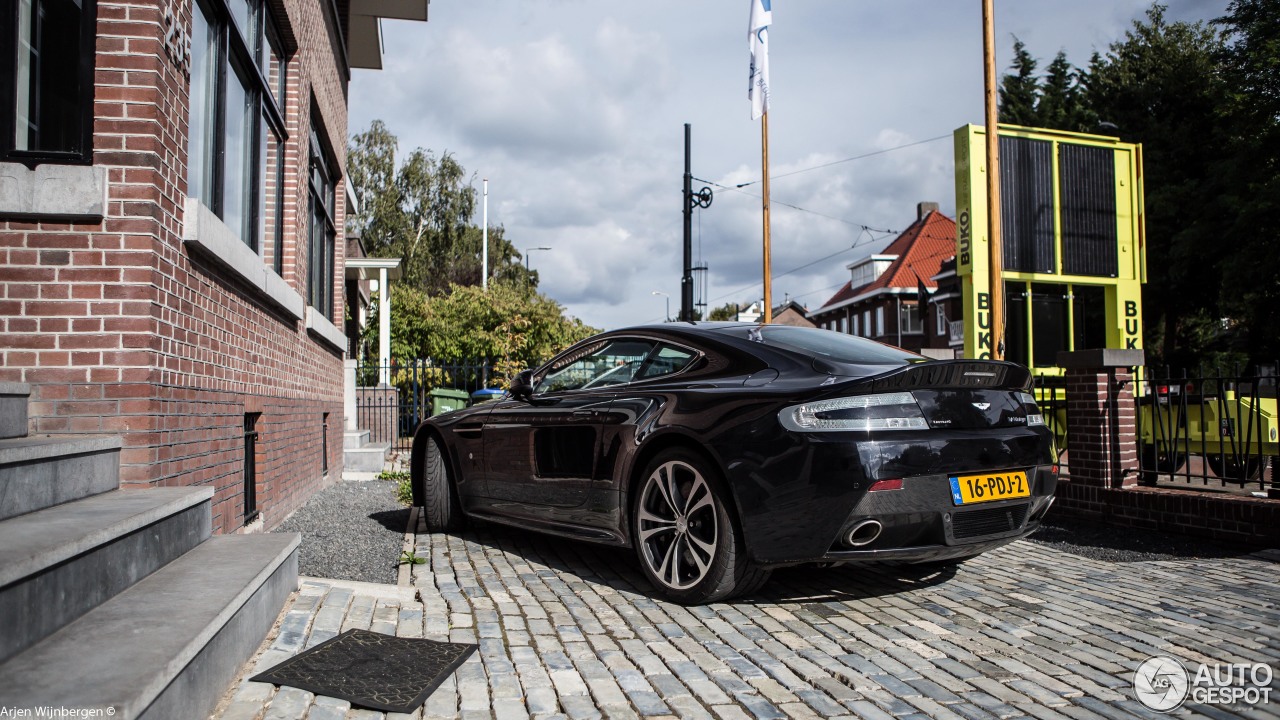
(863,534)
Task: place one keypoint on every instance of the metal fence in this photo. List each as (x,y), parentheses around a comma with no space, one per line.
(1215,427)
(391,400)
(1050,392)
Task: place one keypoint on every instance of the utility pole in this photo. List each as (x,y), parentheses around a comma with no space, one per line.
(996,257)
(484,254)
(686,280)
(701,199)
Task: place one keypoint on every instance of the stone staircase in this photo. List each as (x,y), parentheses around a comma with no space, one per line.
(121,598)
(362,459)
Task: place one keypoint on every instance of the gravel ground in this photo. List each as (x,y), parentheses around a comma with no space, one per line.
(1121,544)
(354,531)
(351,531)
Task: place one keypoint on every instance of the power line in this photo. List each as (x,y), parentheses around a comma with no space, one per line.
(850,159)
(869,237)
(797,207)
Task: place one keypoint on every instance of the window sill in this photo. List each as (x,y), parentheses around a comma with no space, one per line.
(319,325)
(205,232)
(50,191)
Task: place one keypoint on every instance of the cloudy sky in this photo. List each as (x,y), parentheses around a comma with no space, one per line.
(574,110)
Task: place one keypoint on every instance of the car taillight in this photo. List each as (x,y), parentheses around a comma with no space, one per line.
(886,485)
(887,411)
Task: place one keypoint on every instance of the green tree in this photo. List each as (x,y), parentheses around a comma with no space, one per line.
(421,210)
(727,311)
(507,325)
(1251,70)
(1162,86)
(1061,104)
(1020,91)
(1054,101)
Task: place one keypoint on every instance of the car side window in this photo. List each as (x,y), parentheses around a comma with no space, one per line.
(614,363)
(667,361)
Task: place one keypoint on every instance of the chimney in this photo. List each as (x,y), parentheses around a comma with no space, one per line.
(925,208)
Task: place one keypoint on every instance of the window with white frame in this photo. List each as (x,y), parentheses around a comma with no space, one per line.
(909,320)
(46,80)
(236,132)
(866,323)
(879,322)
(941,316)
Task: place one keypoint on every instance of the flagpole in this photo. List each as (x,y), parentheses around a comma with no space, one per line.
(768,275)
(995,258)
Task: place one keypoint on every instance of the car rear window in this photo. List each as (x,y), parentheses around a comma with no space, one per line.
(826,344)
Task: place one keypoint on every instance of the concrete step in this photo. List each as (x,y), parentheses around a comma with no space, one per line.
(355,439)
(13,409)
(46,470)
(58,563)
(369,458)
(169,646)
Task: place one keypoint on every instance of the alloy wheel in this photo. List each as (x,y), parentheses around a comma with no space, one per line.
(677,527)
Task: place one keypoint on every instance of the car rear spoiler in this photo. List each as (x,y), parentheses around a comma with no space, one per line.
(939,374)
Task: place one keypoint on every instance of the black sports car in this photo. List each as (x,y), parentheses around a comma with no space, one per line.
(722,450)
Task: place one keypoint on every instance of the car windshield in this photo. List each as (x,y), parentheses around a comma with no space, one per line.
(825,344)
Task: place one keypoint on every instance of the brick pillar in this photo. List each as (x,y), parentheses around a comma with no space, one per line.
(1102,430)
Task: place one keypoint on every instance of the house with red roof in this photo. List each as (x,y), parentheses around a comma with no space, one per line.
(882,299)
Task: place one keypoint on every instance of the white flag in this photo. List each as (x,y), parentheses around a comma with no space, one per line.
(758,43)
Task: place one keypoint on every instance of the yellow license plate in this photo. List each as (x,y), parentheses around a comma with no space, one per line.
(969,489)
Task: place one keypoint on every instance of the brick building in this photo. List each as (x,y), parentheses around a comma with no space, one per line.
(881,300)
(171,211)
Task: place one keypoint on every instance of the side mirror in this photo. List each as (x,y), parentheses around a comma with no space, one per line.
(522,386)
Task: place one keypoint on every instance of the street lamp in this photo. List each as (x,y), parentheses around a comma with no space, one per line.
(668,297)
(526,255)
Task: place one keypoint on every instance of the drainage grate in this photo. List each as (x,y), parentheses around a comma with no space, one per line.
(988,521)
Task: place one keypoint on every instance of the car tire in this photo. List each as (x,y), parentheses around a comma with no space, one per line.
(686,534)
(440,504)
(1162,459)
(1234,469)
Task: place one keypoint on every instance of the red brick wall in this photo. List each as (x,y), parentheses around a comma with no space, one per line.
(1251,522)
(121,330)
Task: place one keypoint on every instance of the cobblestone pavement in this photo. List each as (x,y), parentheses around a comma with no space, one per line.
(567,629)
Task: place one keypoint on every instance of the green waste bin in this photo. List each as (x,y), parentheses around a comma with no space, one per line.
(445,400)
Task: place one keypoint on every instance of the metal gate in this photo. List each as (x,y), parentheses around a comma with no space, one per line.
(392,400)
(1215,426)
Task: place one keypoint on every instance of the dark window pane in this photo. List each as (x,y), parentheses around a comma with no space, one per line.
(1048,323)
(247,22)
(271,198)
(1026,211)
(1090,316)
(1089,230)
(276,72)
(669,360)
(1015,327)
(237,175)
(47,110)
(203,101)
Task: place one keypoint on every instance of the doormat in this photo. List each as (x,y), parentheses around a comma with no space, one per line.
(372,670)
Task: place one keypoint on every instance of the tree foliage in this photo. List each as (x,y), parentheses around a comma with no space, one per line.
(511,328)
(1053,101)
(420,209)
(1203,99)
(727,311)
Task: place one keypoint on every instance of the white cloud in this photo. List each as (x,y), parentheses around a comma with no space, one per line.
(574,111)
